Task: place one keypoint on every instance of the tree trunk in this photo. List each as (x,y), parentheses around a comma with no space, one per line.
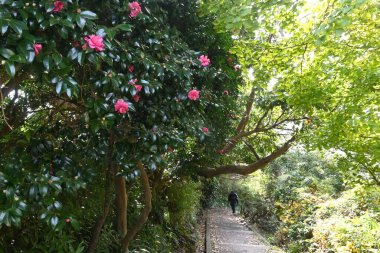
(110,174)
(121,205)
(144,213)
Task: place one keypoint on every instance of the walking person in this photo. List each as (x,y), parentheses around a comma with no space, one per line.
(233,199)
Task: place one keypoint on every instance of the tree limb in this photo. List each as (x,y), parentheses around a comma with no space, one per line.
(145,212)
(248,108)
(252,149)
(246,169)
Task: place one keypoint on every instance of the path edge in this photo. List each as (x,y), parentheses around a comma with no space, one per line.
(208,248)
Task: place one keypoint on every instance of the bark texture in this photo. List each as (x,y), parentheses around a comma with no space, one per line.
(144,213)
(121,205)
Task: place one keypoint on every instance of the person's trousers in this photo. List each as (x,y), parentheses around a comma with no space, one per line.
(233,206)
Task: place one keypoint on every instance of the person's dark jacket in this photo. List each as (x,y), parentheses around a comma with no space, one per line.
(233,198)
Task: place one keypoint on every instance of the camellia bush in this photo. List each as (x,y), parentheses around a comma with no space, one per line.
(96,98)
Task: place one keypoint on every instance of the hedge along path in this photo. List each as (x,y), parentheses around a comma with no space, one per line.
(230,234)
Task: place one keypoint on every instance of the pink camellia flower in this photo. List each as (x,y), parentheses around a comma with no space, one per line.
(138,87)
(95,42)
(67,220)
(205,129)
(226,92)
(136,98)
(131,68)
(193,95)
(132,81)
(121,106)
(58,6)
(229,60)
(134,8)
(37,48)
(205,61)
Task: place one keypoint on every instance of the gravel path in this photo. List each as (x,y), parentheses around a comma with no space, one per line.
(230,234)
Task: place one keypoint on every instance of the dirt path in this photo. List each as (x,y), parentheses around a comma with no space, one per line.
(230,234)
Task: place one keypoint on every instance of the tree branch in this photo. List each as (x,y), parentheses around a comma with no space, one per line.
(246,169)
(248,108)
(145,212)
(252,149)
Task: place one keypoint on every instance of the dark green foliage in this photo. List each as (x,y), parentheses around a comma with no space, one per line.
(54,160)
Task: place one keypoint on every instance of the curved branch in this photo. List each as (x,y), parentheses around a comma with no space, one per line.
(145,212)
(247,169)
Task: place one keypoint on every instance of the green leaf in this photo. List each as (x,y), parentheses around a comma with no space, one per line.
(3,26)
(30,56)
(58,88)
(110,116)
(57,58)
(18,58)
(75,224)
(124,27)
(81,22)
(63,32)
(46,62)
(88,15)
(73,53)
(39,17)
(54,221)
(80,58)
(68,92)
(6,53)
(18,26)
(10,68)
(49,7)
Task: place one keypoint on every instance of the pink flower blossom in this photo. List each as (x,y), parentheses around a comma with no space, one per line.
(67,220)
(205,61)
(37,48)
(84,46)
(193,95)
(121,106)
(205,129)
(134,8)
(95,42)
(136,98)
(132,81)
(226,92)
(229,60)
(131,68)
(58,6)
(138,87)
(236,67)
